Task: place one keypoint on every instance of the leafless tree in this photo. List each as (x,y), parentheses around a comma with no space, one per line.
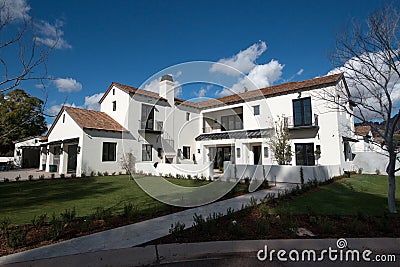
(368,54)
(22,58)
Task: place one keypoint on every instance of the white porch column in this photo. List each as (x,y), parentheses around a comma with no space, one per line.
(49,155)
(62,167)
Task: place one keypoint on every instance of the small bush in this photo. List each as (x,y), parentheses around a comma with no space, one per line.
(17,178)
(30,177)
(17,238)
(68,215)
(378,172)
(177,229)
(57,228)
(83,175)
(262,227)
(105,173)
(130,211)
(4,224)
(92,174)
(247,180)
(301,175)
(40,220)
(6,180)
(73,175)
(101,214)
(114,173)
(189,176)
(119,173)
(53,176)
(62,176)
(264,210)
(253,202)
(41,177)
(360,170)
(99,174)
(235,229)
(325,225)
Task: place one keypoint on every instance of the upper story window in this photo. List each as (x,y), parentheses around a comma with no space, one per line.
(232,122)
(187,116)
(256,110)
(302,111)
(63,118)
(147,117)
(114,104)
(113,91)
(186,152)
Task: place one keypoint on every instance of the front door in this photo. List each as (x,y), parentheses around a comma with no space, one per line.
(257,155)
(72,158)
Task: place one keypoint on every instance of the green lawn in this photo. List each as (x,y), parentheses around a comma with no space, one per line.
(362,193)
(21,201)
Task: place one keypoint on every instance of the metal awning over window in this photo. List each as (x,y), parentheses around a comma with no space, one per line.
(65,141)
(235,135)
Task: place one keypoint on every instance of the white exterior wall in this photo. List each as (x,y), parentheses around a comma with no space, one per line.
(35,142)
(122,102)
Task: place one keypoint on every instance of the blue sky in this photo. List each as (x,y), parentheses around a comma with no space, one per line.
(130,41)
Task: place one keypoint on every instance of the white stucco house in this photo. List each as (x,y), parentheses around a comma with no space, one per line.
(27,151)
(168,130)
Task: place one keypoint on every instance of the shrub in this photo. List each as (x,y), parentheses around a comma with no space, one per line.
(92,174)
(130,211)
(253,202)
(189,176)
(73,175)
(114,173)
(41,177)
(378,172)
(57,228)
(262,227)
(101,214)
(247,180)
(325,225)
(68,215)
(17,238)
(30,177)
(83,175)
(177,229)
(119,173)
(264,210)
(53,176)
(235,229)
(6,180)
(62,176)
(39,220)
(360,170)
(99,174)
(17,178)
(4,224)
(105,173)
(265,183)
(230,211)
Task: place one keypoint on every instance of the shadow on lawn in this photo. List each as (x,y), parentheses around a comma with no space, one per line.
(34,193)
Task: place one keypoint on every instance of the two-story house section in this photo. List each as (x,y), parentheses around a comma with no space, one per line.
(237,128)
(158,127)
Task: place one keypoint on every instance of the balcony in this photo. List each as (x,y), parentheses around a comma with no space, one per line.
(150,126)
(291,125)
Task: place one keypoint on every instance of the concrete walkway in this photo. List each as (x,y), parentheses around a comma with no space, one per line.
(227,253)
(138,233)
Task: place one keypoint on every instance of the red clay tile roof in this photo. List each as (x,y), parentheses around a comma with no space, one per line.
(362,130)
(241,97)
(90,119)
(273,90)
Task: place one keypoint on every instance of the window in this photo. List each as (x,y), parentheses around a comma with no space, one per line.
(238,152)
(186,152)
(159,152)
(147,152)
(63,118)
(187,116)
(305,154)
(232,122)
(147,117)
(302,111)
(256,110)
(109,151)
(113,91)
(266,152)
(114,103)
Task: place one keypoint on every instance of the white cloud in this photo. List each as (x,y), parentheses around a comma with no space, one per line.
(14,10)
(244,61)
(53,110)
(259,77)
(153,86)
(51,34)
(203,91)
(92,102)
(300,72)
(67,85)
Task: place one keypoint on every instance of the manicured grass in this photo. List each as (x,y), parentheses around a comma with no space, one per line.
(361,193)
(21,201)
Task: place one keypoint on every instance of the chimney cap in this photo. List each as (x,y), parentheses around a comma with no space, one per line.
(167,77)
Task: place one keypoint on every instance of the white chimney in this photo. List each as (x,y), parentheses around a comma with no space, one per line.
(167,88)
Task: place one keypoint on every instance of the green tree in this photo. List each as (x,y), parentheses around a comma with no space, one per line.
(20,117)
(280,143)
